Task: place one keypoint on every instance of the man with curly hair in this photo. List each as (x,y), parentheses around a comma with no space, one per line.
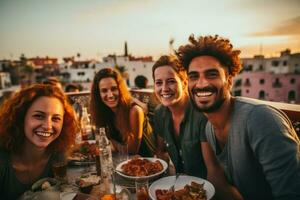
(254,144)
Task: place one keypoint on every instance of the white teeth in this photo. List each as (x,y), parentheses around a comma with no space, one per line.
(111,100)
(166,95)
(44,134)
(203,94)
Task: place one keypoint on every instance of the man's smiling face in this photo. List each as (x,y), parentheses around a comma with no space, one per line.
(209,84)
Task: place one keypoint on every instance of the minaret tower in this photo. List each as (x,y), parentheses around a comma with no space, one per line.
(125,49)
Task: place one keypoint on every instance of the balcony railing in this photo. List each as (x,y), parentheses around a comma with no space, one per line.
(147,96)
(277,85)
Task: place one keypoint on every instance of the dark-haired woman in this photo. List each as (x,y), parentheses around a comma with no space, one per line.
(113,107)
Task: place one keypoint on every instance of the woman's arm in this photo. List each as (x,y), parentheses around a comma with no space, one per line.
(161,149)
(216,175)
(136,120)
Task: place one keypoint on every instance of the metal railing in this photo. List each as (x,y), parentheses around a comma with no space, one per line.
(147,96)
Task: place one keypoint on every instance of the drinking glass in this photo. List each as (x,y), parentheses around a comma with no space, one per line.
(108,188)
(59,167)
(141,188)
(122,154)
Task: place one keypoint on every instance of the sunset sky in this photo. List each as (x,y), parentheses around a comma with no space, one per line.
(95,28)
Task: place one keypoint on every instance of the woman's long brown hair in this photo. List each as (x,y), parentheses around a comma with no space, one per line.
(102,115)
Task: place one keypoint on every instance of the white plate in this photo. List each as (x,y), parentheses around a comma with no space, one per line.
(67,195)
(164,164)
(167,182)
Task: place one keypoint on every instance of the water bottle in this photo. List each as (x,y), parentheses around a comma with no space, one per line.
(105,154)
(86,127)
(106,161)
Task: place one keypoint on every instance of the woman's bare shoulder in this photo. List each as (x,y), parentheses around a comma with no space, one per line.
(136,109)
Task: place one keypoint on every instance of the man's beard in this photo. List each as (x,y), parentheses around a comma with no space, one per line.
(215,106)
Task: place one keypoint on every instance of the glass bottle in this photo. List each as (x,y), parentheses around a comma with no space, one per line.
(106,161)
(86,127)
(97,158)
(105,154)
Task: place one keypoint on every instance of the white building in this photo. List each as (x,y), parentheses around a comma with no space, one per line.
(84,71)
(286,63)
(5,84)
(272,79)
(135,68)
(5,81)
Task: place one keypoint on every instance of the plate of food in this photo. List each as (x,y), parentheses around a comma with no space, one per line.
(86,182)
(186,187)
(45,188)
(141,168)
(83,154)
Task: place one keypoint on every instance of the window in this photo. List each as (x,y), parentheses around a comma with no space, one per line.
(247,91)
(275,63)
(277,83)
(292,81)
(292,95)
(262,81)
(237,93)
(80,73)
(238,83)
(247,82)
(261,94)
(261,68)
(284,63)
(248,68)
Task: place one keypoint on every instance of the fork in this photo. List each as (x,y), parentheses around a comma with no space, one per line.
(172,188)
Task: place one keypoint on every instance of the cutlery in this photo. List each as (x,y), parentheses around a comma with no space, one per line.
(172,188)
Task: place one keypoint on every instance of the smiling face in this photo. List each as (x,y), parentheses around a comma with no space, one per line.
(109,92)
(208,83)
(43,121)
(168,87)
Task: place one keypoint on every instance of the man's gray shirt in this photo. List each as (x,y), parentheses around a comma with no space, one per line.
(262,154)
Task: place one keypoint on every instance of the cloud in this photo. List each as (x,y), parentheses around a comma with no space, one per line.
(290,27)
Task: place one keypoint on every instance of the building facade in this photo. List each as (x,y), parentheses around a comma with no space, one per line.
(272,79)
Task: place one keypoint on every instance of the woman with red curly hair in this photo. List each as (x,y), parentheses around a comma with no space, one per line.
(36,125)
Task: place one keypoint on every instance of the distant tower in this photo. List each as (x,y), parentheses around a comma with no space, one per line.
(171,48)
(125,49)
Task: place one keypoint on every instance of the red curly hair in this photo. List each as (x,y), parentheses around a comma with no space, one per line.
(14,109)
(214,46)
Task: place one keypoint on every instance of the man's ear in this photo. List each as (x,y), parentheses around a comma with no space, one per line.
(229,81)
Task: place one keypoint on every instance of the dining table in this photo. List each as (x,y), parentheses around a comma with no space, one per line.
(74,172)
